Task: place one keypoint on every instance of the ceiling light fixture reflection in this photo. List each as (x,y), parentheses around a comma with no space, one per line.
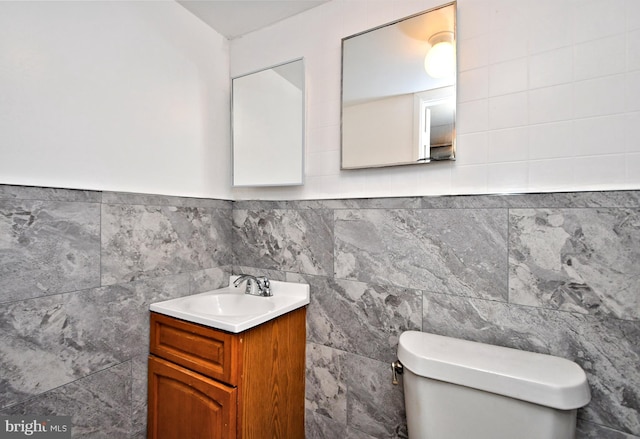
(440,61)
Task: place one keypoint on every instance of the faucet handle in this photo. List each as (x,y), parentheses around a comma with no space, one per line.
(261,283)
(264,286)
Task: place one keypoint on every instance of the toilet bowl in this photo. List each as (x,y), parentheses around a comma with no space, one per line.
(458,389)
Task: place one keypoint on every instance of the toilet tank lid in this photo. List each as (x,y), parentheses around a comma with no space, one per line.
(542,379)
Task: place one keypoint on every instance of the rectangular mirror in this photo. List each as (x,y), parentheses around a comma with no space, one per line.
(399,92)
(268,126)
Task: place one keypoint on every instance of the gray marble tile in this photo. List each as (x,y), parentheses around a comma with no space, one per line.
(325,389)
(353,433)
(48,247)
(607,349)
(581,260)
(99,405)
(139,435)
(141,242)
(285,240)
(51,341)
(347,203)
(48,194)
(209,279)
(320,427)
(360,318)
(163,200)
(374,405)
(536,200)
(533,200)
(139,394)
(454,251)
(589,430)
(271,274)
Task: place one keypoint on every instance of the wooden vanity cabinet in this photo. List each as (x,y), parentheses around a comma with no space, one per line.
(210,384)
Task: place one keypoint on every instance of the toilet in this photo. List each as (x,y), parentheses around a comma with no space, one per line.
(458,389)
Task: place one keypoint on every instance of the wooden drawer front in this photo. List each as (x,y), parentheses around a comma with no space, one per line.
(205,350)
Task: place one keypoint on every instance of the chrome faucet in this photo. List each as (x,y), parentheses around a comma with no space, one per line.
(256,286)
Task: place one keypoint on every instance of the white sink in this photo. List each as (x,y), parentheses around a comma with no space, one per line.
(230,309)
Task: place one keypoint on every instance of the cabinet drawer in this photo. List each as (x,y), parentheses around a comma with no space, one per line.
(208,351)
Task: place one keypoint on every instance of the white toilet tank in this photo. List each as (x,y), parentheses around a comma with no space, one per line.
(458,389)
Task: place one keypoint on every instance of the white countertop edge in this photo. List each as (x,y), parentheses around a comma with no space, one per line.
(227,326)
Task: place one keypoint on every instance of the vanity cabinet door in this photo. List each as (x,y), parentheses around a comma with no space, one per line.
(184,404)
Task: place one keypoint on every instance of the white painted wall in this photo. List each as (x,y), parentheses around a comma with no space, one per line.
(122,96)
(548,97)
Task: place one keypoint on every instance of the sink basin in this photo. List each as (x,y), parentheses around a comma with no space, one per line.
(228,304)
(230,309)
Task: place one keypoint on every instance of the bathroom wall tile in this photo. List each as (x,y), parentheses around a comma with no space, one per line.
(589,430)
(473,18)
(551,68)
(582,260)
(353,433)
(508,77)
(51,341)
(551,104)
(321,427)
(209,279)
(271,274)
(374,405)
(360,318)
(594,19)
(470,178)
(562,200)
(325,388)
(508,111)
(473,84)
(599,97)
(99,405)
(472,116)
(633,50)
(163,200)
(443,250)
(48,194)
(602,57)
(552,174)
(288,240)
(632,131)
(549,25)
(322,163)
(139,435)
(603,170)
(139,394)
(607,349)
(472,52)
(631,91)
(632,165)
(472,149)
(508,177)
(508,43)
(140,242)
(632,15)
(508,145)
(48,247)
(551,140)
